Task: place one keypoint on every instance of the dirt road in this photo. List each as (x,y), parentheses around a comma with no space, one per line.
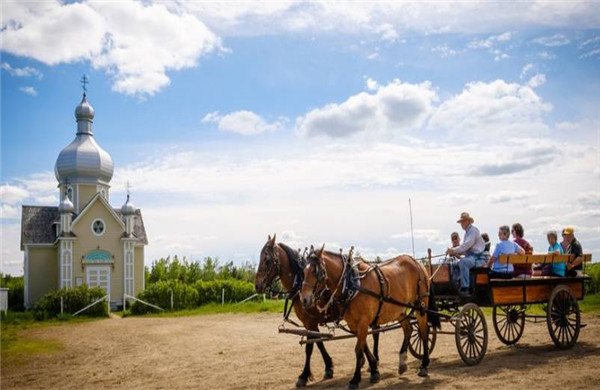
(245,352)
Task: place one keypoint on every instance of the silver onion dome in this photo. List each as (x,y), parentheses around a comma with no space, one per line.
(128,208)
(83,160)
(66,206)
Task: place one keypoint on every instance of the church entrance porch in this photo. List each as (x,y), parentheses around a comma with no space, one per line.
(98,276)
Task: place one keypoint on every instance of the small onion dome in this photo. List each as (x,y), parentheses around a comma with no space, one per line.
(128,208)
(84,111)
(66,206)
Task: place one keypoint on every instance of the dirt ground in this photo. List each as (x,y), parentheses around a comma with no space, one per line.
(241,351)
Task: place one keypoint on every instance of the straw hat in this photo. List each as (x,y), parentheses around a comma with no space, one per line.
(463,216)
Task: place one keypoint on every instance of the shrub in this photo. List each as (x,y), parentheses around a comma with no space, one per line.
(16,288)
(593,286)
(74,299)
(235,291)
(159,294)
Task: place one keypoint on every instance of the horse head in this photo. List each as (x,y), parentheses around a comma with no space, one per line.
(315,277)
(268,267)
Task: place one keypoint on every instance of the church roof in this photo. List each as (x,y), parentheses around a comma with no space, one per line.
(37,225)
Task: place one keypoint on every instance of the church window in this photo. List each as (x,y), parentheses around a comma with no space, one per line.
(98,227)
(70,193)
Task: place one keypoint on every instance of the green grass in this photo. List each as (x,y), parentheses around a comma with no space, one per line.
(269,306)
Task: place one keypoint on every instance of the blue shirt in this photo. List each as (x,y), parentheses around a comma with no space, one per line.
(558,269)
(504,247)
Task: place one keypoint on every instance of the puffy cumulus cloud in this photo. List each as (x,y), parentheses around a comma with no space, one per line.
(395,107)
(510,196)
(27,71)
(243,122)
(135,42)
(537,80)
(495,108)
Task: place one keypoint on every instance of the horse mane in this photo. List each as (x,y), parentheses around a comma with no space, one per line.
(294,256)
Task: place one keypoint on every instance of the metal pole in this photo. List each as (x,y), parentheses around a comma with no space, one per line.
(61,305)
(411,228)
(222,297)
(171,299)
(108,300)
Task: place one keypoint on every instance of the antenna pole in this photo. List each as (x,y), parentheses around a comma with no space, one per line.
(412,234)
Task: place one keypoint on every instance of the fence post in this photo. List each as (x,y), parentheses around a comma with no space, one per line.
(108,300)
(264,297)
(61,305)
(222,297)
(171,299)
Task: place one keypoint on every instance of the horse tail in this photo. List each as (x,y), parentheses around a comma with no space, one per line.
(432,315)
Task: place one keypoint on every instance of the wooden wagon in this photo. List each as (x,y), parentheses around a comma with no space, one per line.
(509,299)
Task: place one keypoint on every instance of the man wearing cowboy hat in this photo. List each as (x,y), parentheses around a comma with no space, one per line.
(472,248)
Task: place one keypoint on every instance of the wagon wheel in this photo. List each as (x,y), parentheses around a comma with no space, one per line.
(471,334)
(509,323)
(415,346)
(563,317)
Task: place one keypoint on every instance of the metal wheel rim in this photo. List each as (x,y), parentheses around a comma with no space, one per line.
(509,323)
(563,317)
(471,334)
(415,345)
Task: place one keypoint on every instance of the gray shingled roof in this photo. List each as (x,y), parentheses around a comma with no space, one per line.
(37,225)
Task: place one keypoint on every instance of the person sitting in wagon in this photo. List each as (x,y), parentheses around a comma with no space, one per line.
(472,248)
(575,267)
(504,247)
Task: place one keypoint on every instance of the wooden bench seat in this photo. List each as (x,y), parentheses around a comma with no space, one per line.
(541,259)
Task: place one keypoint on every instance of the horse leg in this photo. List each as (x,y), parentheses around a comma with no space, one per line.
(328,362)
(424,333)
(361,342)
(403,350)
(376,343)
(306,375)
(372,364)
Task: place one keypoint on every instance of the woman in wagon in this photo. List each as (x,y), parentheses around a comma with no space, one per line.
(472,248)
(518,232)
(504,247)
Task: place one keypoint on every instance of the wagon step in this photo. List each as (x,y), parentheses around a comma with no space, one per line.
(307,333)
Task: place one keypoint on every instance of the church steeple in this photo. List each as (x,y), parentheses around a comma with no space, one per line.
(83,163)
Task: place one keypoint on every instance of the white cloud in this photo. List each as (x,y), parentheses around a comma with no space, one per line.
(432,235)
(589,199)
(457,199)
(527,158)
(591,53)
(493,108)
(373,55)
(12,194)
(509,196)
(388,32)
(29,90)
(372,85)
(444,51)
(136,43)
(395,107)
(243,122)
(537,80)
(553,41)
(525,70)
(21,72)
(546,55)
(491,45)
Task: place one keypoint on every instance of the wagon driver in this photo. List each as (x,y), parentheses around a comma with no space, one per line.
(472,248)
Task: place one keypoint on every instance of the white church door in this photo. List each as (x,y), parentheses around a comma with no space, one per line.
(99,276)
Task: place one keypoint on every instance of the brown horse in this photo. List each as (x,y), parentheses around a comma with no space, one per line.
(383,291)
(277,260)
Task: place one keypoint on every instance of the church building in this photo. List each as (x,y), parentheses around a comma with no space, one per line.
(84,240)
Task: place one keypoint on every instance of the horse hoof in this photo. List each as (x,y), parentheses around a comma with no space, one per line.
(422,372)
(353,386)
(301,382)
(328,374)
(401,369)
(375,377)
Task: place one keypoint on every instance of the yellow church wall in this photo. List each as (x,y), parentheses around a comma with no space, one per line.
(45,278)
(110,241)
(139,270)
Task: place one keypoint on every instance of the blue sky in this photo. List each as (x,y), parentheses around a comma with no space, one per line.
(316,120)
